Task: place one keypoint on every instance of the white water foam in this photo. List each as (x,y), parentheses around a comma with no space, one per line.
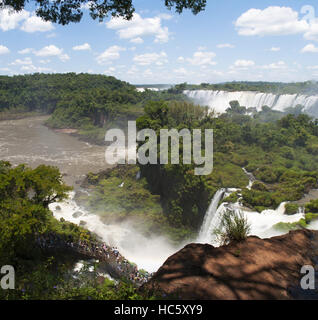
(147,253)
(219,100)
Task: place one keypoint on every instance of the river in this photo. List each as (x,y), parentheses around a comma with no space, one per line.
(30,141)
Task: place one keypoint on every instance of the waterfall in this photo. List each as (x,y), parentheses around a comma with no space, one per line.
(219,100)
(205,234)
(251,179)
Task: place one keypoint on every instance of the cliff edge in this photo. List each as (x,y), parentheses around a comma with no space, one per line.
(253,269)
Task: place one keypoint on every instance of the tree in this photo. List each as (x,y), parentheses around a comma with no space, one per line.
(64,12)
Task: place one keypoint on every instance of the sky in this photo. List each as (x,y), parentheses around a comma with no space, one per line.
(231,40)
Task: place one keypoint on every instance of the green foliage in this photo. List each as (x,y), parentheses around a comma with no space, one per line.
(291,208)
(267,87)
(65,12)
(232,198)
(234,227)
(290,226)
(312,206)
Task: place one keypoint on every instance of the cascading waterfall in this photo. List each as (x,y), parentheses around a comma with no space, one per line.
(219,100)
(205,233)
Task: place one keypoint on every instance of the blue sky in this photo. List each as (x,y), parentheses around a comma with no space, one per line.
(231,40)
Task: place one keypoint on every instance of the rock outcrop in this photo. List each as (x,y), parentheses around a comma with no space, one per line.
(252,269)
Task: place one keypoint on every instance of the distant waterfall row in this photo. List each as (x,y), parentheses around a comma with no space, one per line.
(219,100)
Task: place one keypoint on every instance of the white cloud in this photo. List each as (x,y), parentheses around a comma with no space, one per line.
(312,67)
(151,58)
(275,49)
(180,71)
(275,65)
(139,27)
(201,58)
(25,51)
(36,24)
(48,51)
(4,50)
(10,19)
(225,45)
(243,63)
(310,48)
(273,20)
(181,59)
(45,61)
(51,51)
(25,61)
(112,53)
(32,69)
(137,40)
(312,33)
(82,47)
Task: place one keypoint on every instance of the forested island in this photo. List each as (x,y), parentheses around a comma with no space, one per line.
(280,149)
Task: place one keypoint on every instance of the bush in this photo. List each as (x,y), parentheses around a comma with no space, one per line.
(234,227)
(291,208)
(312,206)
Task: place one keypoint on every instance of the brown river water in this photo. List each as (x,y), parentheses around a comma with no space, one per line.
(30,141)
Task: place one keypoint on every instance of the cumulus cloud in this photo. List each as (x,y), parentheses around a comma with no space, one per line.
(312,33)
(181,71)
(51,51)
(275,49)
(243,64)
(139,27)
(225,45)
(151,58)
(181,59)
(25,61)
(36,24)
(201,58)
(31,69)
(4,50)
(137,40)
(275,66)
(10,19)
(112,53)
(82,47)
(25,51)
(273,20)
(310,48)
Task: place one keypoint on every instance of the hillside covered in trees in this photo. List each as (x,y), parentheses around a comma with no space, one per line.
(282,155)
(89,103)
(306,88)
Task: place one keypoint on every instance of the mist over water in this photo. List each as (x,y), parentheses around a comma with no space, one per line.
(147,253)
(219,100)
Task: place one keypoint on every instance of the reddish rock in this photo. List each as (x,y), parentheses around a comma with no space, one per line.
(252,269)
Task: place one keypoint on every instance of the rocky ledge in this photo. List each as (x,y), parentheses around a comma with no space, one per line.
(252,269)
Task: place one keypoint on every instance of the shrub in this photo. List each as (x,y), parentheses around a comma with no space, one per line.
(312,206)
(234,227)
(291,208)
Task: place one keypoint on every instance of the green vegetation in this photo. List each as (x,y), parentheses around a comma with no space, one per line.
(173,201)
(307,87)
(117,195)
(312,206)
(291,208)
(232,198)
(90,103)
(65,12)
(25,194)
(233,227)
(290,226)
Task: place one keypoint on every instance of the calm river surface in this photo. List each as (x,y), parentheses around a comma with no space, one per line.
(29,141)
